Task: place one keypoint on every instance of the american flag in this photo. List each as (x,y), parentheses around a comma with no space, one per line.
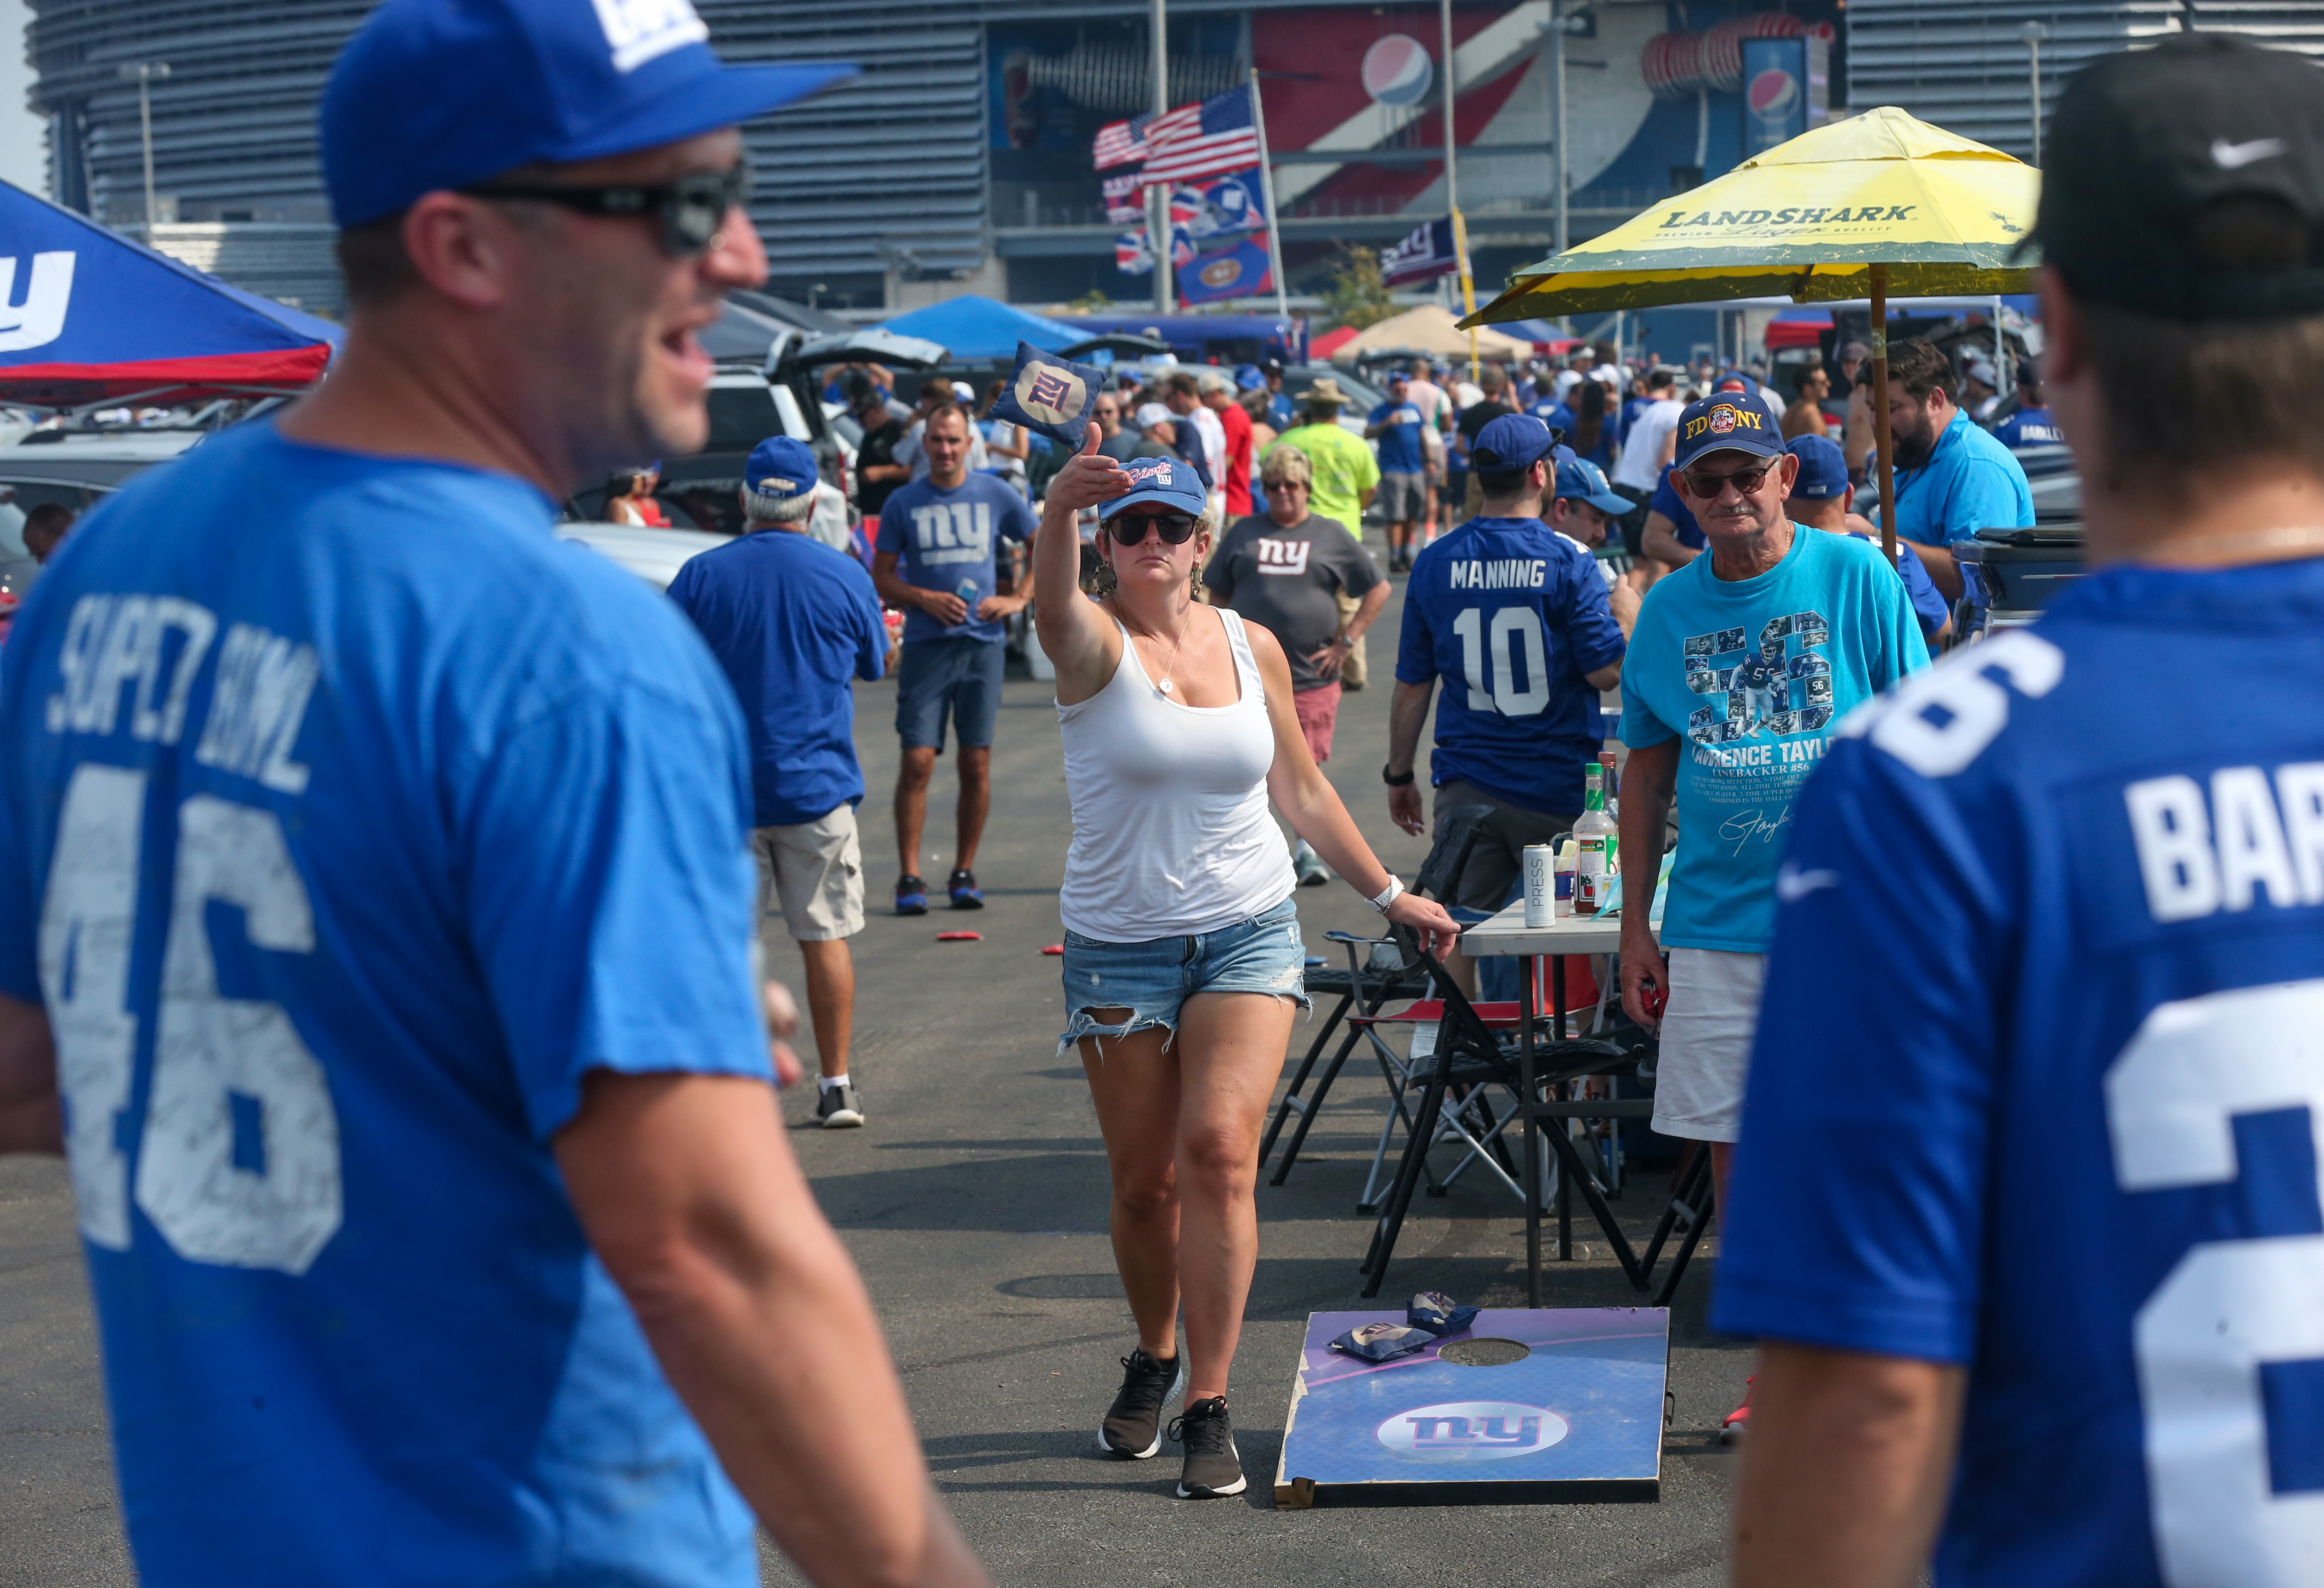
(1120,143)
(1196,142)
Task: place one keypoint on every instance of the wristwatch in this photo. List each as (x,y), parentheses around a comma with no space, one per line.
(1393,781)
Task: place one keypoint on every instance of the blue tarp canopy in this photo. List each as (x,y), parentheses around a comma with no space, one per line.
(87,316)
(1192,335)
(979,330)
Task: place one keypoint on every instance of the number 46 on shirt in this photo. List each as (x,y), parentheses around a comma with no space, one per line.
(238,1150)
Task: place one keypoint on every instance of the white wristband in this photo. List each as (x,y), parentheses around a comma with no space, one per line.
(1387,895)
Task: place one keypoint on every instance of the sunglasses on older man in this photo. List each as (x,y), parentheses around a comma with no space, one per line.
(1706,487)
(687,210)
(1130,530)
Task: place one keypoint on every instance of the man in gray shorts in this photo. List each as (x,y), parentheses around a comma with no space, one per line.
(792,622)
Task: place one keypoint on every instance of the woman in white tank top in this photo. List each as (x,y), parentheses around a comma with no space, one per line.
(1183,961)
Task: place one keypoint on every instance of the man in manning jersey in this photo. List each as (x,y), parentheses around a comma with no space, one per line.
(375,914)
(1513,617)
(2028,1217)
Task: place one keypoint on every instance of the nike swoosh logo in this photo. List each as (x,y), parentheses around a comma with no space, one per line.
(2229,156)
(1793,884)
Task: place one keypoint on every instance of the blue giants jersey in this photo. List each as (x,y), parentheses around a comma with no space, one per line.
(2038,1081)
(1512,615)
(346,820)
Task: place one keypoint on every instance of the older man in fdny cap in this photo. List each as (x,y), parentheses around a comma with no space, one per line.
(1741,665)
(464,1243)
(2027,1220)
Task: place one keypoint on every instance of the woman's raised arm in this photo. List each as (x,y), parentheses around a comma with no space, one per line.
(1078,639)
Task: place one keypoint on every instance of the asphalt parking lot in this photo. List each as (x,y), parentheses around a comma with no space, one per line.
(975,1201)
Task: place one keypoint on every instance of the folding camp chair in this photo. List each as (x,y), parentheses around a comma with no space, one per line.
(1469,1052)
(1379,969)
(1690,1207)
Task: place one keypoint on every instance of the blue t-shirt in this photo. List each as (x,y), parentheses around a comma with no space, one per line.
(347,819)
(1927,602)
(1672,506)
(2037,1088)
(1971,482)
(791,621)
(949,540)
(2029,427)
(1754,673)
(1400,444)
(1512,615)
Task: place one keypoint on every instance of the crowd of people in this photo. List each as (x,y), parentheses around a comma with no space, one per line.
(369,876)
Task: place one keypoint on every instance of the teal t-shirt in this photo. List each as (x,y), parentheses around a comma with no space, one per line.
(1755,673)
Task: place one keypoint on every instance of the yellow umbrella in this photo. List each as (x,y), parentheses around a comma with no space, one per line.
(1878,204)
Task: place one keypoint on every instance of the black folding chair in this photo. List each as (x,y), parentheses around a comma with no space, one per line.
(1379,969)
(1691,1209)
(1470,1054)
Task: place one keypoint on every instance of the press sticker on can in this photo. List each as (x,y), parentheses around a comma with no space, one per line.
(1540,885)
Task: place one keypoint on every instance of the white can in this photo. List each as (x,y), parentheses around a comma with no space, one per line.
(1540,885)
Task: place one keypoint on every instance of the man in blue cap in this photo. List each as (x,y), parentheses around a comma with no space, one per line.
(1513,617)
(1821,499)
(1741,663)
(792,620)
(372,933)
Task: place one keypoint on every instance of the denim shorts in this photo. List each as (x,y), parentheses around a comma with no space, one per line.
(957,672)
(1151,980)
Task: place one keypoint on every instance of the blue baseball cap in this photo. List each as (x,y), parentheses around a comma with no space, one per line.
(1584,481)
(436,93)
(1724,422)
(1247,378)
(1823,469)
(1512,442)
(779,467)
(1165,480)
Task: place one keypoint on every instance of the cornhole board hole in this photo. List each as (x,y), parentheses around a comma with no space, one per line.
(1556,1405)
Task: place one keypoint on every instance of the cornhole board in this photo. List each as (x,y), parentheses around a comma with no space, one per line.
(1577,1417)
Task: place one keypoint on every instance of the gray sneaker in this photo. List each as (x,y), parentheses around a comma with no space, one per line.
(838,1109)
(1309,868)
(1213,1468)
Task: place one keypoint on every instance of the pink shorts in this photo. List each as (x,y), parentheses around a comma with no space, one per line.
(1317,710)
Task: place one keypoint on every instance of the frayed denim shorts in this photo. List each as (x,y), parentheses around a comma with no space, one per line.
(1152,979)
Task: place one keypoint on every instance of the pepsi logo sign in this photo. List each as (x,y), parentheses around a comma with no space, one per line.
(1471,1430)
(1397,70)
(1772,93)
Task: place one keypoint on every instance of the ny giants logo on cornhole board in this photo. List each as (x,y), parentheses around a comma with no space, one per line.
(1471,1430)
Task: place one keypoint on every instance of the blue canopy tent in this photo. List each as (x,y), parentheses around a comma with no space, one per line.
(981,330)
(86,316)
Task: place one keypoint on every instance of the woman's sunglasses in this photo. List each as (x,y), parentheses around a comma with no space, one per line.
(688,211)
(1177,528)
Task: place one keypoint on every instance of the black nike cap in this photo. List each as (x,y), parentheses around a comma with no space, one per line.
(2186,181)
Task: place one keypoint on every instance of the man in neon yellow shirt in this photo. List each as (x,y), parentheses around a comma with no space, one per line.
(1345,476)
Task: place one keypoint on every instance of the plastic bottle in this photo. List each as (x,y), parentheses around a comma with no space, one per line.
(1597,848)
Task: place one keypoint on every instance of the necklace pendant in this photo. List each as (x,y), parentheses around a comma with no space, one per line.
(1163,686)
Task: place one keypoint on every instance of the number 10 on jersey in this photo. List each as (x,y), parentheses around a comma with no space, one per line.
(238,1148)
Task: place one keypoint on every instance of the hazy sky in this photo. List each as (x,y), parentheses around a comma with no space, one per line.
(24,154)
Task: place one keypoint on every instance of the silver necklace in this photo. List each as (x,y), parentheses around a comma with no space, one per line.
(1164,685)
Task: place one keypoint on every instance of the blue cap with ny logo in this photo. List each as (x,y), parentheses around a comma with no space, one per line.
(436,93)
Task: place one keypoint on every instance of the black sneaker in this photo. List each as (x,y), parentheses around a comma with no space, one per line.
(837,1109)
(1213,1467)
(965,893)
(1133,1423)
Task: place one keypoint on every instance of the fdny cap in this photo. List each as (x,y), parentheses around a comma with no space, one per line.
(1584,481)
(1509,443)
(2187,182)
(435,94)
(779,467)
(1823,469)
(1166,480)
(1724,421)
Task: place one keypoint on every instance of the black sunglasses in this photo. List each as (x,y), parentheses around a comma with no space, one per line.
(689,210)
(1177,528)
(1707,488)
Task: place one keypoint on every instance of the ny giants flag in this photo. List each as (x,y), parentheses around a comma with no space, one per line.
(1205,140)
(1125,199)
(1423,256)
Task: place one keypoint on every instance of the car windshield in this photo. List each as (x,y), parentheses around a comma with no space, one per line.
(742,416)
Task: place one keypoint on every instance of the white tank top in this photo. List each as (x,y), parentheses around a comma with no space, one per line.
(1171,832)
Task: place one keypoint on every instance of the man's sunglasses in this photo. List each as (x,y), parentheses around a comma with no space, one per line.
(687,210)
(1177,528)
(1706,487)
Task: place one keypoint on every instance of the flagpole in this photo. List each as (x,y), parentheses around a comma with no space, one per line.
(1453,186)
(1158,197)
(1266,195)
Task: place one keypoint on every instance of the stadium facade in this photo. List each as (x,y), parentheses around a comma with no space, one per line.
(961,156)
